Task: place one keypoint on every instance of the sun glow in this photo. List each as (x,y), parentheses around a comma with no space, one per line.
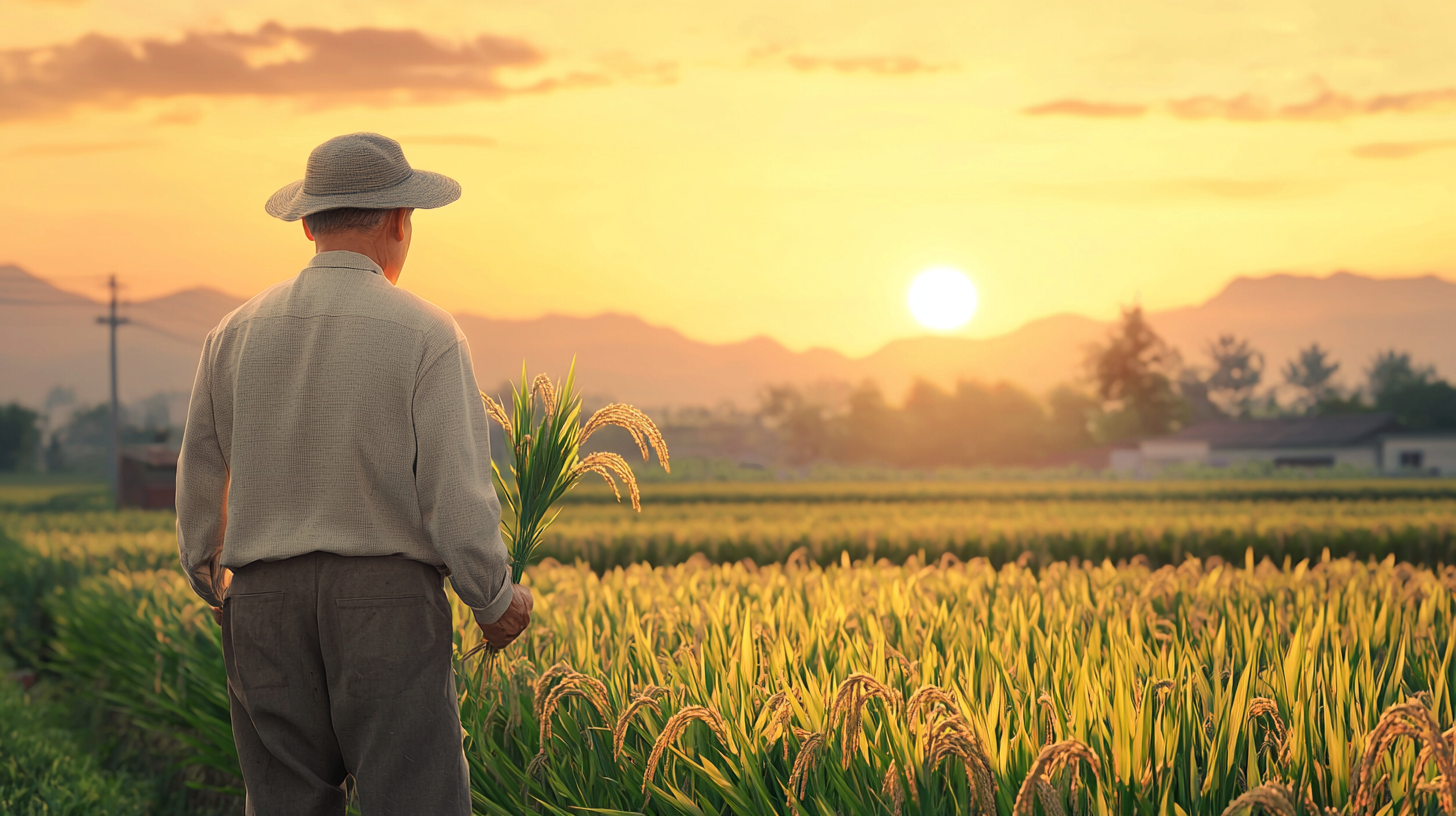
(942,298)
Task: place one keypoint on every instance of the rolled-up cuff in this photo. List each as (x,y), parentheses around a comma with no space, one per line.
(491,612)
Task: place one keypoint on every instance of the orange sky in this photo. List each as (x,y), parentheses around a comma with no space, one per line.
(738,168)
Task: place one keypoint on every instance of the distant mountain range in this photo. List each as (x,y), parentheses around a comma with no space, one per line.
(50,337)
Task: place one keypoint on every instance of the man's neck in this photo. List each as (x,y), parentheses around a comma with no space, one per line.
(355,242)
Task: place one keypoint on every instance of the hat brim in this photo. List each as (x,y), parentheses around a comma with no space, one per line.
(421,189)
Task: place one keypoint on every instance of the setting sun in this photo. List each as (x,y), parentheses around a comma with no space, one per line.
(942,298)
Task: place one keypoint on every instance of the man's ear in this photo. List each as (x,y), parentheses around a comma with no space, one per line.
(307,233)
(396,223)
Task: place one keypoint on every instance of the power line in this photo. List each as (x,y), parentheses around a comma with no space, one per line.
(24,302)
(161,331)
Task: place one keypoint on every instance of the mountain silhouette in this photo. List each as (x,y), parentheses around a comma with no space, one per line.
(49,337)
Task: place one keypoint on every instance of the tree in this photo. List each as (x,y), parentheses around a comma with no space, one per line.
(1072,411)
(802,425)
(19,434)
(1311,372)
(1237,370)
(1419,399)
(1134,375)
(1392,370)
(871,431)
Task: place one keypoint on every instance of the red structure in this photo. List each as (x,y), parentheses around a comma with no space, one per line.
(149,477)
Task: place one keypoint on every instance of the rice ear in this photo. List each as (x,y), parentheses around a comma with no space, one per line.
(608,465)
(544,388)
(643,430)
(497,412)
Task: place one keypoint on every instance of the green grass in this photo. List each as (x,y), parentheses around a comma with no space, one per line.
(45,770)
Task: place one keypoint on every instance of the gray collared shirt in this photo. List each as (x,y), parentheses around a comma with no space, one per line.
(337,413)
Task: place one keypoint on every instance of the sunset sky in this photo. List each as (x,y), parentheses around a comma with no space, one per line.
(734,168)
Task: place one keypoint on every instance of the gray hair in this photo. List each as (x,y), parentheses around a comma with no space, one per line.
(344,219)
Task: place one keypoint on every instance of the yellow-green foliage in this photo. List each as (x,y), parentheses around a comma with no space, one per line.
(876,687)
(1164,530)
(1159,672)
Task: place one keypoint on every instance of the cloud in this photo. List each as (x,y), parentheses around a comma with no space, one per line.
(1324,106)
(1400,150)
(321,65)
(76,148)
(872,64)
(1082,107)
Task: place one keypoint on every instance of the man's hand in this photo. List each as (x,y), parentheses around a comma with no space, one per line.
(515,620)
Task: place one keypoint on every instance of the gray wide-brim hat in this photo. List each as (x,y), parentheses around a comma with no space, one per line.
(360,170)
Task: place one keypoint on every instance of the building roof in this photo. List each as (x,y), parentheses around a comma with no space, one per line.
(157,456)
(1337,431)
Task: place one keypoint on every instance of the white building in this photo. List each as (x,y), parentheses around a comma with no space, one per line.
(1375,441)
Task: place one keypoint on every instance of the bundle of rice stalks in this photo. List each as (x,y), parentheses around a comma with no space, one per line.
(546,460)
(546,456)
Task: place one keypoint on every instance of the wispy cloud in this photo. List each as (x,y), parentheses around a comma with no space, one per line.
(871,64)
(1087,108)
(1401,150)
(316,64)
(1324,106)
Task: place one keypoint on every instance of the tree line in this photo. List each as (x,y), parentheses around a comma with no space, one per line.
(1133,385)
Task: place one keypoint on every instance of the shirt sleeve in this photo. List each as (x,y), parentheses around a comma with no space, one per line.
(458,502)
(202,488)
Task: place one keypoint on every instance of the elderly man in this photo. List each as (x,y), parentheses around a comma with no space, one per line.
(335,467)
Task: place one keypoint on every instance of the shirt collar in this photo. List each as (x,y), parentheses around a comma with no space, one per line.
(344,259)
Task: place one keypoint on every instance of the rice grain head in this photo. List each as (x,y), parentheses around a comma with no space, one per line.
(1045,701)
(892,788)
(1052,757)
(813,746)
(1271,797)
(543,684)
(848,709)
(1411,719)
(608,465)
(497,412)
(643,430)
(672,730)
(650,696)
(546,390)
(1263,706)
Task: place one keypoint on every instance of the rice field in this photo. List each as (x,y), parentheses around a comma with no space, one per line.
(820,678)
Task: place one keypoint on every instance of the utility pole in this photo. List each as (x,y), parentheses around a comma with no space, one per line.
(113,447)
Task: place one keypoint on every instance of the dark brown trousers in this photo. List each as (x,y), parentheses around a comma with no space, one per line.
(340,666)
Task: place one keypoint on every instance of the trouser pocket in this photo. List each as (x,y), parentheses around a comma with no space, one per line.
(256,637)
(386,642)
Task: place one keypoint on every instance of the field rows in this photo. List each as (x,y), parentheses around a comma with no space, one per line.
(826,656)
(1188,685)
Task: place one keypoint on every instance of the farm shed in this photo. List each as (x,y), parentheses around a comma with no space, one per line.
(1431,452)
(149,477)
(1371,441)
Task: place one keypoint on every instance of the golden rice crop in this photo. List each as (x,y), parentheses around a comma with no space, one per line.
(1059,687)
